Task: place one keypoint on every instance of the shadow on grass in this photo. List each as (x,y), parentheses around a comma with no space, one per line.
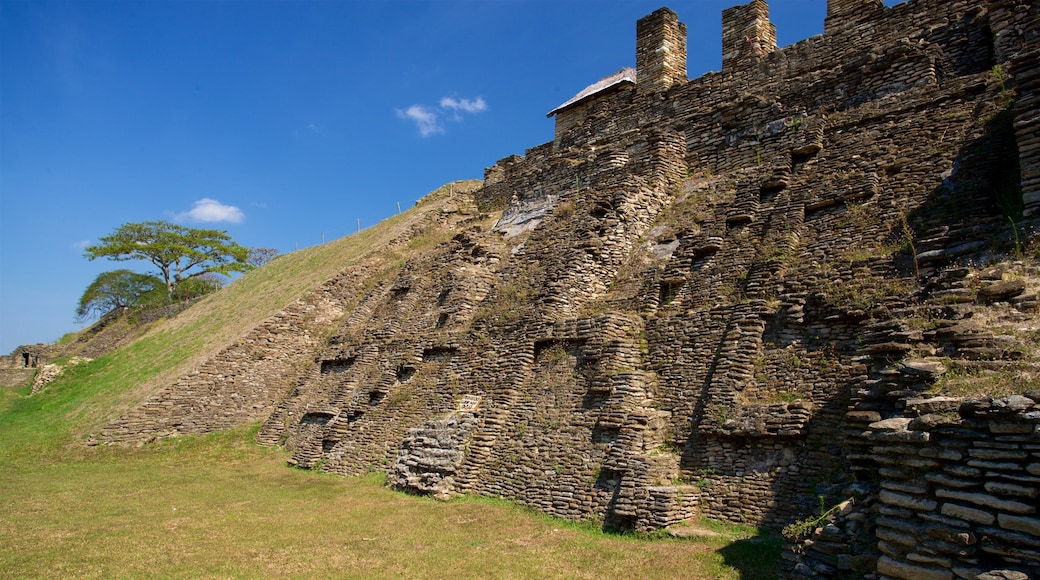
(755,558)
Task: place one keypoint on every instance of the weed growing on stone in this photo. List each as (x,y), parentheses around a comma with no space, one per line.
(1007,98)
(864,293)
(908,240)
(961,381)
(804,527)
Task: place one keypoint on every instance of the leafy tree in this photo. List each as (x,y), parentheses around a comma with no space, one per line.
(198,287)
(260,256)
(117,289)
(179,252)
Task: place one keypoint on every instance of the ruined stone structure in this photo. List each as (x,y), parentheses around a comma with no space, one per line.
(111,331)
(18,368)
(29,356)
(727,296)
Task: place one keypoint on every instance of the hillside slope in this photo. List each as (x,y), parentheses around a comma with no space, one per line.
(153,352)
(268,325)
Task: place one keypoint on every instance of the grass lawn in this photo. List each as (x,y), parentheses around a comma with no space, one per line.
(221,507)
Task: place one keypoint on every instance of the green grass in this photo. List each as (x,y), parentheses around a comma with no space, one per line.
(220,506)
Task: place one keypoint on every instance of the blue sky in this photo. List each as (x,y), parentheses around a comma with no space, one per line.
(278,121)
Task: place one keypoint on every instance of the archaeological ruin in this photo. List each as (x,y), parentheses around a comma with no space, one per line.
(792,286)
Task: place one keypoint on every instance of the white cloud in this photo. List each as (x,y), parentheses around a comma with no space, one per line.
(428,119)
(80,245)
(211,210)
(465,105)
(424,118)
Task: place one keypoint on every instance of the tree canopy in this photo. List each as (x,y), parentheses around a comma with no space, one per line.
(118,289)
(198,287)
(179,252)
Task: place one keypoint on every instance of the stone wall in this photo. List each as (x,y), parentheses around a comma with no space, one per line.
(957,495)
(842,13)
(747,35)
(660,51)
(946,485)
(1027,126)
(16,377)
(112,330)
(31,356)
(242,383)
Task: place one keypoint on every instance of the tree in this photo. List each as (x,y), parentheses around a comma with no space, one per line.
(179,252)
(117,289)
(260,256)
(198,287)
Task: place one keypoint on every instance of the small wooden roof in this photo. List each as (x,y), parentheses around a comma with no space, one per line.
(610,82)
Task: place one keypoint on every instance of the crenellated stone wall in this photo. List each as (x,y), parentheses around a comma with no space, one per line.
(843,13)
(660,51)
(747,35)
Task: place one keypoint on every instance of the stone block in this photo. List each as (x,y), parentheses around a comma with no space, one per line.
(929,370)
(913,488)
(933,421)
(1011,490)
(988,501)
(920,558)
(963,471)
(1006,427)
(1002,290)
(862,416)
(1005,466)
(933,404)
(947,481)
(906,501)
(899,435)
(1003,575)
(898,512)
(894,424)
(946,531)
(907,571)
(967,513)
(900,524)
(946,454)
(1019,524)
(895,550)
(997,454)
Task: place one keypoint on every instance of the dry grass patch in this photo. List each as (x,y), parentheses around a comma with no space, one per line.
(219,506)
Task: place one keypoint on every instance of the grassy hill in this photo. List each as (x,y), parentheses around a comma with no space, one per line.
(88,395)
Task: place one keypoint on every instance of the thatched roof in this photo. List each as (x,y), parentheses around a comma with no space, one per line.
(610,82)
